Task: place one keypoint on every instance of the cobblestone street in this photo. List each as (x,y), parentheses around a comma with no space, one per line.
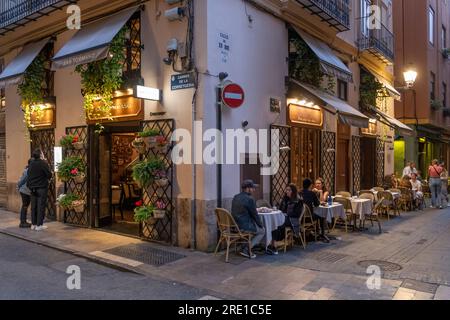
(413,251)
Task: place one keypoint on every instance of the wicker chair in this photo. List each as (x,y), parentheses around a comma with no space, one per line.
(378,189)
(307,223)
(230,232)
(388,204)
(348,212)
(370,196)
(406,199)
(374,216)
(344,194)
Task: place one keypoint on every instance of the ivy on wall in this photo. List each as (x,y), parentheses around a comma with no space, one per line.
(370,90)
(30,89)
(304,66)
(99,79)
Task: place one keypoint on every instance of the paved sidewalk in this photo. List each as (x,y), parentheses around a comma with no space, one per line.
(413,252)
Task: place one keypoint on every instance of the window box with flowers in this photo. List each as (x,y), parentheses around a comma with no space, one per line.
(150,137)
(161,179)
(71,142)
(144,214)
(160,210)
(72,168)
(144,172)
(71,202)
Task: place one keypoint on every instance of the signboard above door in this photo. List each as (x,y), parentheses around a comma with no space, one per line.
(307,116)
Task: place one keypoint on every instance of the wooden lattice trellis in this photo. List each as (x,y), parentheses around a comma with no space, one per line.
(379,167)
(356,152)
(45,140)
(82,190)
(328,164)
(281,179)
(162,230)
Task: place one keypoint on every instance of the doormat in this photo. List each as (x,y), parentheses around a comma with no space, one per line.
(146,254)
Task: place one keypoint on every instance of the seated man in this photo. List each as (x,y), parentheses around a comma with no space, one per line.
(416,186)
(244,211)
(312,201)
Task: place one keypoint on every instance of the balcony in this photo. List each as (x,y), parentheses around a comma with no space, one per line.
(378,41)
(335,12)
(17,13)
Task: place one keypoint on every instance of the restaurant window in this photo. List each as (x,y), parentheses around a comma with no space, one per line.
(444,37)
(432,86)
(444,94)
(2,91)
(431,18)
(132,65)
(342,90)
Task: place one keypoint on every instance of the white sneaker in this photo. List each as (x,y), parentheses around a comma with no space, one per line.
(33,227)
(41,228)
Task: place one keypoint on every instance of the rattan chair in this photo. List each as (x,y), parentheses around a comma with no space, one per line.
(230,232)
(374,216)
(370,196)
(307,224)
(348,212)
(406,201)
(344,194)
(366,192)
(388,204)
(378,189)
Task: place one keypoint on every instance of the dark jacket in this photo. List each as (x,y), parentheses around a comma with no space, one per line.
(310,199)
(39,175)
(243,209)
(296,207)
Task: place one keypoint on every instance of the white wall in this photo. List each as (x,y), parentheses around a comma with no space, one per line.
(257,62)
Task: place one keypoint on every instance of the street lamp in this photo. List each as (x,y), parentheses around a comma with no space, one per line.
(410,77)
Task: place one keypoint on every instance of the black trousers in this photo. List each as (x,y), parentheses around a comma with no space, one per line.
(26,200)
(38,206)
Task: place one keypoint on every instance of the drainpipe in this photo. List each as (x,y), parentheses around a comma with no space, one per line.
(194,174)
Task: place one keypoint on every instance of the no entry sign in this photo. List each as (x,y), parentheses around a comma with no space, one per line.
(233,95)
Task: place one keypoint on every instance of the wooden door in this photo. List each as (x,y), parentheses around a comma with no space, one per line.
(342,166)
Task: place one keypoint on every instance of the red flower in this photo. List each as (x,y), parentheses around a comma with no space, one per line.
(139,203)
(75,139)
(74,172)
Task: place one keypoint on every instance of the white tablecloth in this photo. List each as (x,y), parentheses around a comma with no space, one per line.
(271,222)
(336,210)
(362,207)
(395,195)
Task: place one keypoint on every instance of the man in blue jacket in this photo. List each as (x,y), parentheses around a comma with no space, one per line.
(25,194)
(244,211)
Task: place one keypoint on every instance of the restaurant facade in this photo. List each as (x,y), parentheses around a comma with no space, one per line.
(170,78)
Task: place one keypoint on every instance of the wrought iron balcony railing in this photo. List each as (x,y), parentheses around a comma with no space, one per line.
(378,40)
(17,13)
(335,12)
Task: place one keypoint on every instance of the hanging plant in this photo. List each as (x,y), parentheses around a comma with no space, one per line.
(99,79)
(304,66)
(370,89)
(144,172)
(30,90)
(72,168)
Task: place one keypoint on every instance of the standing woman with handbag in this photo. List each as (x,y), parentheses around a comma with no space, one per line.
(434,173)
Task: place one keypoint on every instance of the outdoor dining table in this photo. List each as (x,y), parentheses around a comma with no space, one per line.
(361,207)
(336,210)
(271,221)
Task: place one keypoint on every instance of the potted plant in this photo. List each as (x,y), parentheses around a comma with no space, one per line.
(71,202)
(67,141)
(149,136)
(72,168)
(144,172)
(162,144)
(139,145)
(78,145)
(160,211)
(144,214)
(161,179)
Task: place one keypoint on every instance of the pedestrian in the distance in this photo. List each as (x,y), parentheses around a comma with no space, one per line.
(39,175)
(25,194)
(444,180)
(434,173)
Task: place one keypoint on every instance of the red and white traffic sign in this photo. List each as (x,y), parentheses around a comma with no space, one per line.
(233,95)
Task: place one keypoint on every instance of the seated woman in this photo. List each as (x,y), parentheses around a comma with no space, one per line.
(321,190)
(292,206)
(416,186)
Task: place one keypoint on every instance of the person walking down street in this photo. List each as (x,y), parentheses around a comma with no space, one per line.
(243,209)
(444,180)
(25,194)
(434,173)
(39,175)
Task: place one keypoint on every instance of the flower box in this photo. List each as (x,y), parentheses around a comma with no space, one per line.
(150,142)
(159,214)
(80,178)
(151,221)
(78,206)
(162,183)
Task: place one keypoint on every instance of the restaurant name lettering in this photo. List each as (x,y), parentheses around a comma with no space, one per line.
(304,115)
(125,108)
